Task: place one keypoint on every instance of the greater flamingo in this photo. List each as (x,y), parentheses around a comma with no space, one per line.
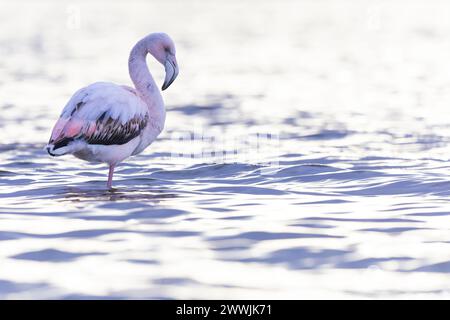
(106,122)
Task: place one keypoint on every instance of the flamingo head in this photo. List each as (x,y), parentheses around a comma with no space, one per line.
(162,48)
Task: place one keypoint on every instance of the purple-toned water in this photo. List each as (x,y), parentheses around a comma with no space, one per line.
(350,198)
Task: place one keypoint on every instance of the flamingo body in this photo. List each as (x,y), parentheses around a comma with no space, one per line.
(106,122)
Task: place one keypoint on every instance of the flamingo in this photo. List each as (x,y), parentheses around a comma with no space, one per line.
(105,122)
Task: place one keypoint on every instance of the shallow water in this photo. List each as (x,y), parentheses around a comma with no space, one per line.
(348,199)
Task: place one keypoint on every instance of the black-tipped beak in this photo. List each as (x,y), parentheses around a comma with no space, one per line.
(171,67)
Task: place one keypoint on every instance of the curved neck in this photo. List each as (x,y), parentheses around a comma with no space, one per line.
(143,80)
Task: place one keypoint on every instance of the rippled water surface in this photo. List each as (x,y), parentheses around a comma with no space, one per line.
(350,199)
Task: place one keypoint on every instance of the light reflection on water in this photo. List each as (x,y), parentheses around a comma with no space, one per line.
(355,205)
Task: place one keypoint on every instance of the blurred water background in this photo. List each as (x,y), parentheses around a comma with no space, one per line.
(350,198)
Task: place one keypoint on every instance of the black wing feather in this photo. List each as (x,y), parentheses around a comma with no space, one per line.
(110,131)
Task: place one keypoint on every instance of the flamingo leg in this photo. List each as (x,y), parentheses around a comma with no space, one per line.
(110,176)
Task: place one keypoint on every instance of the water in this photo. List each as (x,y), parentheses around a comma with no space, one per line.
(349,199)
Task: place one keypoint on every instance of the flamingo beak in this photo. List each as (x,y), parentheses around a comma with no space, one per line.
(171,67)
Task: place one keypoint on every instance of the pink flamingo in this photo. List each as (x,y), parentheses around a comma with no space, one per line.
(106,122)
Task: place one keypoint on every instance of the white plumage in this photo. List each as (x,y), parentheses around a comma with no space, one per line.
(107,97)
